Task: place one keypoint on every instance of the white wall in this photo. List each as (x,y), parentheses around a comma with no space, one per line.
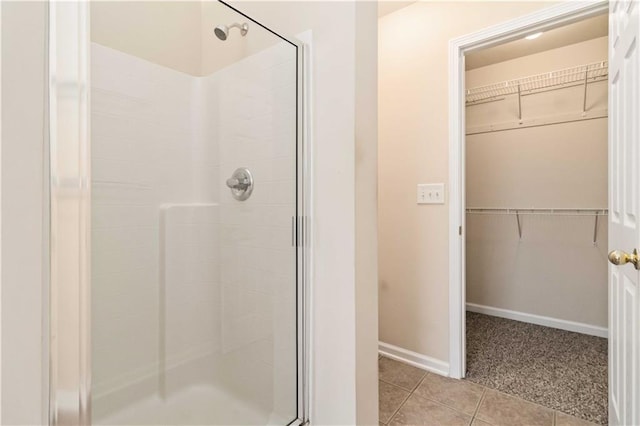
(0,217)
(556,166)
(413,148)
(325,93)
(24,302)
(334,106)
(366,216)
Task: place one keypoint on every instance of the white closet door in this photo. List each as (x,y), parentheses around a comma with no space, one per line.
(624,227)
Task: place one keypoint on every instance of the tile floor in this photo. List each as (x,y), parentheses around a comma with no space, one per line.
(411,396)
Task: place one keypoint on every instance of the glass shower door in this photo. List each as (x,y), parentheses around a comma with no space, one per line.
(195,297)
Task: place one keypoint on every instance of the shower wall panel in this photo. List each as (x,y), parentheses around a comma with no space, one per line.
(147,150)
(255,102)
(190,286)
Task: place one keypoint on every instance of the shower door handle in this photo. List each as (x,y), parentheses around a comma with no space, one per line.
(298,231)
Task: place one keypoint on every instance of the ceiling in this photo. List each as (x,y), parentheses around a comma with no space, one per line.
(389,6)
(577,32)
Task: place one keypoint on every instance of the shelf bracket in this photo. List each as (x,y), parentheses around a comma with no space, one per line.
(519,225)
(519,104)
(584,99)
(595,230)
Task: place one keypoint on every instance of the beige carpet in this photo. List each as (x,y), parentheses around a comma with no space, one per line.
(559,369)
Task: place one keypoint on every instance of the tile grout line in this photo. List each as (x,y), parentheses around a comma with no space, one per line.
(408,396)
(523,399)
(472,417)
(475,413)
(553,411)
(442,404)
(410,392)
(399,406)
(397,386)
(424,375)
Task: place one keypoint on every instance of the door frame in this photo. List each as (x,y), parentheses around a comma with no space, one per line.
(543,20)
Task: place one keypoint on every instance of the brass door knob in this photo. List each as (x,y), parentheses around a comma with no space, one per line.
(619,257)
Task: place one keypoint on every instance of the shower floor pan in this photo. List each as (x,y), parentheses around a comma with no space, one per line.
(196,405)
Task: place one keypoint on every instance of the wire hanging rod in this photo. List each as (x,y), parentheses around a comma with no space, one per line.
(538,211)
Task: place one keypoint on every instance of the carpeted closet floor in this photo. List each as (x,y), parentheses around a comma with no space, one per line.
(558,369)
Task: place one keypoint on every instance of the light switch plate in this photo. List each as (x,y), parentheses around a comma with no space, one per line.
(431,193)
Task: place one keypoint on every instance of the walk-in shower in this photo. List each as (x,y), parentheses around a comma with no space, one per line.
(177,257)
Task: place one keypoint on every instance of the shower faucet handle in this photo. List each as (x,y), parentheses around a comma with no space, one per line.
(241,184)
(237,183)
(233,183)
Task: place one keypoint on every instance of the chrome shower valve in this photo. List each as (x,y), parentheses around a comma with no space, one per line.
(241,184)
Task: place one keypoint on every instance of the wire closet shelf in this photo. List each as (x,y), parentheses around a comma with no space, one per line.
(517,212)
(579,75)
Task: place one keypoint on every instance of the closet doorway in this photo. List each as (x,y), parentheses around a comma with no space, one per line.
(536,183)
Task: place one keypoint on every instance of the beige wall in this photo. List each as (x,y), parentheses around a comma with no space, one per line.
(562,165)
(24,300)
(555,166)
(217,54)
(164,32)
(413,148)
(176,34)
(589,51)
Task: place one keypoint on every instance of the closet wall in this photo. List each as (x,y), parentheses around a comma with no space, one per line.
(554,269)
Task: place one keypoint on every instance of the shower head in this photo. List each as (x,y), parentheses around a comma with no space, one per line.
(222,31)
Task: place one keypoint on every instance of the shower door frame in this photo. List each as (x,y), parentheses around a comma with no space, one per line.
(70,188)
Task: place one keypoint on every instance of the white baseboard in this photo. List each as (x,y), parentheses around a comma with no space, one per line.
(413,358)
(576,327)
